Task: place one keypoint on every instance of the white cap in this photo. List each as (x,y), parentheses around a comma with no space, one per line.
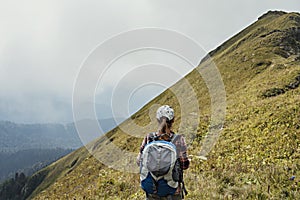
(165,111)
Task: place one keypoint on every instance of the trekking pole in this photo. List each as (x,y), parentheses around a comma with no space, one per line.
(183,189)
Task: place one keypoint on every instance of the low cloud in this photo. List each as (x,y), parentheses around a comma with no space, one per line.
(44,43)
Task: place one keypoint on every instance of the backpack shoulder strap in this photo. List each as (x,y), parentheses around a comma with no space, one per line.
(175,138)
(151,137)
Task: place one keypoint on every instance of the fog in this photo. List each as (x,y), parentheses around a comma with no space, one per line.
(43,44)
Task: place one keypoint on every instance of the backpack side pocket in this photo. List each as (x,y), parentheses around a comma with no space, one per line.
(176,173)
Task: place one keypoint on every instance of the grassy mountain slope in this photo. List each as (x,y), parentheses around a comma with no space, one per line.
(259,149)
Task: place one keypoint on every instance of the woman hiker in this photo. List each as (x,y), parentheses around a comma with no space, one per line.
(165,118)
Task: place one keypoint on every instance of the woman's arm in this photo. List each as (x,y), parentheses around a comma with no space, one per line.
(138,159)
(183,155)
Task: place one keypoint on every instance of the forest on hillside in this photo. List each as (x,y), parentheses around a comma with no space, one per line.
(17,167)
(27,161)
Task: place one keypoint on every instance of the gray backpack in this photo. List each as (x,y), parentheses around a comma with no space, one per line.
(160,170)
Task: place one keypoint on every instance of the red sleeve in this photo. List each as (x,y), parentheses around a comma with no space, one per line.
(182,152)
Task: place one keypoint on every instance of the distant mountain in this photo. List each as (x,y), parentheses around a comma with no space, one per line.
(29,147)
(15,137)
(257,155)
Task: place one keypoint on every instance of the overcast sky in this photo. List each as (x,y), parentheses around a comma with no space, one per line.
(44,43)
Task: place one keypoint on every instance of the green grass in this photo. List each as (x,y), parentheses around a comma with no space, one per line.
(258,150)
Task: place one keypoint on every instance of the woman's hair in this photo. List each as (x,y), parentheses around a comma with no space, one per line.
(164,124)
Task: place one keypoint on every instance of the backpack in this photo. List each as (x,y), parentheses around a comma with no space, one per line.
(160,170)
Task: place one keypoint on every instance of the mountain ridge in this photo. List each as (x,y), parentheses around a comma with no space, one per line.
(270,16)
